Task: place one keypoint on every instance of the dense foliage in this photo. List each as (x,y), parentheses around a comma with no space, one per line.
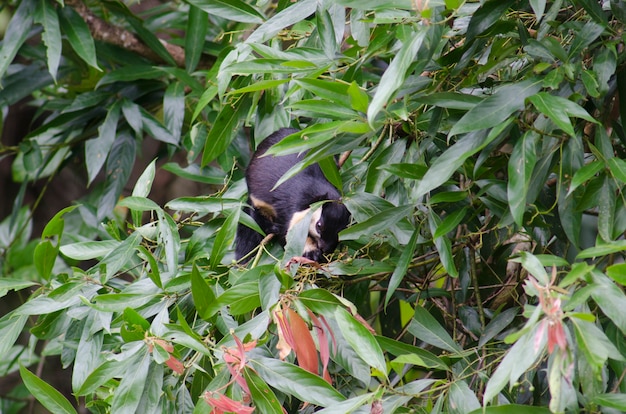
(481,147)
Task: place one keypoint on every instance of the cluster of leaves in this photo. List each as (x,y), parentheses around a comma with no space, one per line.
(471,133)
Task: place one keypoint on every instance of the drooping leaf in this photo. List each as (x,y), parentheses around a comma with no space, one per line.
(361,340)
(78,35)
(235,10)
(46,15)
(293,380)
(197,27)
(497,108)
(47,395)
(426,328)
(16,33)
(521,165)
(395,74)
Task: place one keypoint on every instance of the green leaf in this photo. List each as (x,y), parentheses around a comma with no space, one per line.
(49,397)
(203,296)
(396,73)
(17,31)
(610,299)
(46,15)
(618,168)
(118,169)
(498,107)
(235,10)
(120,257)
(606,209)
(594,344)
(426,328)
(511,409)
(11,326)
(444,166)
(263,397)
(461,398)
(174,109)
(128,393)
(97,149)
(197,28)
(78,35)
(100,376)
(402,266)
(44,257)
(501,322)
(584,174)
(614,400)
(377,223)
(56,224)
(361,340)
(130,73)
(521,166)
(486,16)
(602,250)
(531,263)
(223,130)
(538,6)
(518,359)
(422,357)
(559,110)
(359,99)
(88,250)
(617,272)
(293,380)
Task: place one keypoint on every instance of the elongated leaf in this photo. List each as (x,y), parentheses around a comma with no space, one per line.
(606,209)
(47,16)
(235,10)
(286,17)
(118,168)
(361,340)
(16,33)
(521,165)
(88,250)
(197,27)
(518,359)
(461,398)
(223,130)
(444,166)
(511,409)
(11,326)
(495,109)
(396,73)
(203,296)
(44,257)
(128,394)
(263,397)
(401,267)
(426,328)
(584,174)
(293,380)
(78,35)
(120,256)
(49,397)
(486,16)
(559,110)
(616,401)
(610,299)
(97,149)
(174,109)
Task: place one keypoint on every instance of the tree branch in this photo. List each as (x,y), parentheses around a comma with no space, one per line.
(118,36)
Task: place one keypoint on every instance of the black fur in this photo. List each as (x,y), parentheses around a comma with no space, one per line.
(273,210)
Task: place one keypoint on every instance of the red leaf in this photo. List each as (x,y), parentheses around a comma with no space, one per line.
(175,365)
(222,404)
(323,344)
(304,346)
